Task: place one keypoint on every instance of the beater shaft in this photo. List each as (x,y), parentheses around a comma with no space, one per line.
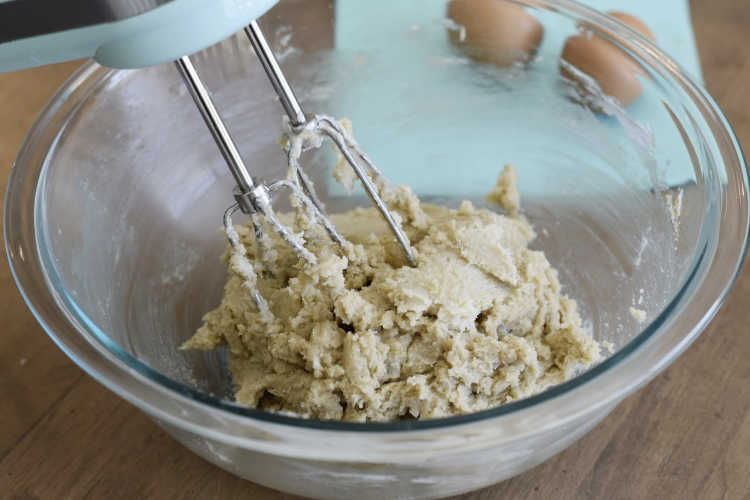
(216,125)
(275,75)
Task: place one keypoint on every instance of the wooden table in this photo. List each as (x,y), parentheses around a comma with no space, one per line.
(686,435)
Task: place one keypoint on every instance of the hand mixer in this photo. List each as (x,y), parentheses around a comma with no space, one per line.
(136,33)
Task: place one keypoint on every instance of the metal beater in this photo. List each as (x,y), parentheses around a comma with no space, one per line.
(255,199)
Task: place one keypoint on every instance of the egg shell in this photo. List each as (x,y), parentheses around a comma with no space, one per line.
(495,31)
(633,22)
(614,73)
(614,70)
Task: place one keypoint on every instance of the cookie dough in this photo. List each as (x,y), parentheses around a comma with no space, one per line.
(362,336)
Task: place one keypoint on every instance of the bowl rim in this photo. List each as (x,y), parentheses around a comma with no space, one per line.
(118,363)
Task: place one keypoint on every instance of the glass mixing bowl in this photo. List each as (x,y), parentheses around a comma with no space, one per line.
(114,204)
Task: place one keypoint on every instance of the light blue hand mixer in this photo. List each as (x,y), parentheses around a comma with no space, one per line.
(138,33)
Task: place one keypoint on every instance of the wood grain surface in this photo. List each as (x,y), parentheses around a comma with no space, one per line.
(686,435)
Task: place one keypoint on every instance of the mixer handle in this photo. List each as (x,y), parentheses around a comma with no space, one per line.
(117,33)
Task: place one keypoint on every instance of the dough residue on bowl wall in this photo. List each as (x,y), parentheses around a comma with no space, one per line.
(362,336)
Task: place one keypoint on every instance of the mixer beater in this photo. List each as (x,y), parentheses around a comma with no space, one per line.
(255,199)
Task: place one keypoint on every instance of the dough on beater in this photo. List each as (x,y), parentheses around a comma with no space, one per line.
(362,336)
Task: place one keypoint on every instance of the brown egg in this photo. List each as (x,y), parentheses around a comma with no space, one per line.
(614,70)
(495,31)
(633,22)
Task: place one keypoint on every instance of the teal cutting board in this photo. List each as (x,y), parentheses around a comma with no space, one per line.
(398,43)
